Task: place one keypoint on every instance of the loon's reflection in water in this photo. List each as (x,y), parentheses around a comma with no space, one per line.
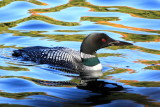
(88,81)
(95,85)
(99,93)
(100,86)
(96,91)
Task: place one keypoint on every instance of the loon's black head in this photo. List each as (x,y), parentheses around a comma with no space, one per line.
(96,41)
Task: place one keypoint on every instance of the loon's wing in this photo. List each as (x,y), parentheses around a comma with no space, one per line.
(59,56)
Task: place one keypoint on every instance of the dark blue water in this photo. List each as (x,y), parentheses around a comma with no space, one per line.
(136,69)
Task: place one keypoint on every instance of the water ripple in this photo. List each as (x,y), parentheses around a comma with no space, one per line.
(130,73)
(140,4)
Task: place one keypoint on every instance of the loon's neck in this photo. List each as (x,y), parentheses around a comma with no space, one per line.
(88,52)
(89,59)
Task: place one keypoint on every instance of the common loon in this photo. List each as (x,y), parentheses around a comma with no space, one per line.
(85,61)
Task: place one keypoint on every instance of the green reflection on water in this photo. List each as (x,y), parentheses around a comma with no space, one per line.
(66,37)
(39,17)
(152,65)
(66,31)
(20,95)
(113,71)
(156,67)
(6,2)
(2,46)
(150,62)
(13,68)
(141,83)
(141,37)
(108,54)
(96,19)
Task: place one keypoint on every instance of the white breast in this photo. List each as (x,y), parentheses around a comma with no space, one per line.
(97,67)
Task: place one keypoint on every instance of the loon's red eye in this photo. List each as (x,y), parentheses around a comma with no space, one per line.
(103,40)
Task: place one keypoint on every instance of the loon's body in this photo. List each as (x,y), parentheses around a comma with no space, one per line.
(83,60)
(58,56)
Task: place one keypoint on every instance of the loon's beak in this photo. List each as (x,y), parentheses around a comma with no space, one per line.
(118,43)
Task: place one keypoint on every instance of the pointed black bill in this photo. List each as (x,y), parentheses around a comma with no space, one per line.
(118,43)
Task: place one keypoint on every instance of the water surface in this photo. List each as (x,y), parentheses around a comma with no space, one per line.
(65,23)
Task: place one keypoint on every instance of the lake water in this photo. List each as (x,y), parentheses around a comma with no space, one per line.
(65,23)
